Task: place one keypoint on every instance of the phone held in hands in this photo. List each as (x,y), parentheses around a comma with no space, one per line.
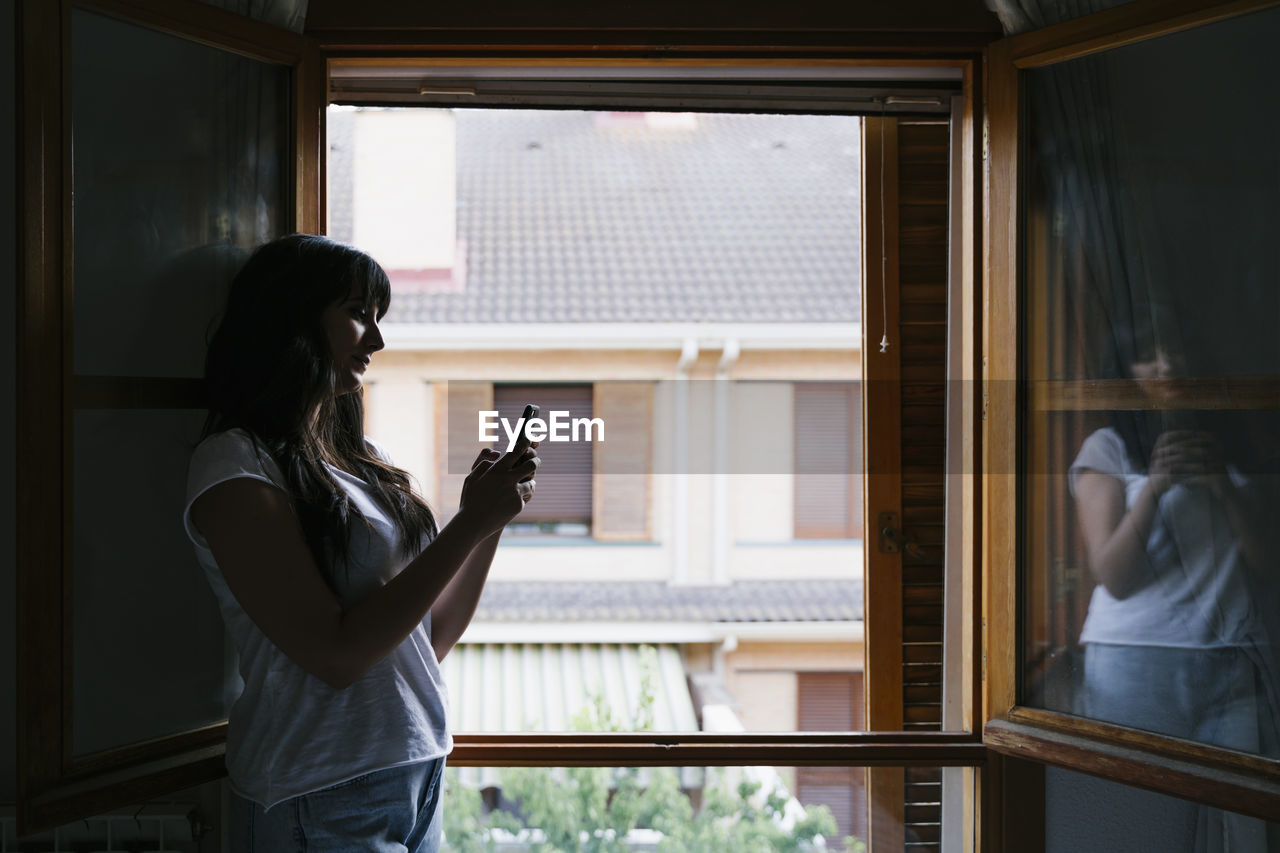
(522,440)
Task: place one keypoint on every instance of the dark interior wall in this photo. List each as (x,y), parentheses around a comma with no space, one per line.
(866,16)
(8,357)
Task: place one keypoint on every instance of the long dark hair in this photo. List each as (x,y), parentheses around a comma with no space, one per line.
(269,371)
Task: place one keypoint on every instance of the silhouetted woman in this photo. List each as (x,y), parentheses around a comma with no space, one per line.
(337,589)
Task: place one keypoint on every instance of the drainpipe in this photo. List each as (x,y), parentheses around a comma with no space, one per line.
(680,500)
(720,501)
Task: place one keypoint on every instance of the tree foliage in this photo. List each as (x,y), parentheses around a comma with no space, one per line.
(594,809)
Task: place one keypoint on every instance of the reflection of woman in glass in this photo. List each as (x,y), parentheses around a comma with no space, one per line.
(1176,637)
(337,589)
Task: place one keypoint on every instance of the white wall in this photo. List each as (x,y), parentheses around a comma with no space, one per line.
(8,360)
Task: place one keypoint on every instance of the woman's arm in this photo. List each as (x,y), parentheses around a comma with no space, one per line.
(256,539)
(454,608)
(1115,540)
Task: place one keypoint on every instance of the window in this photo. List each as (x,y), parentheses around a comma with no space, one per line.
(115,302)
(1111,353)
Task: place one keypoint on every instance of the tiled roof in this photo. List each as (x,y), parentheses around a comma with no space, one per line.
(570,216)
(649,601)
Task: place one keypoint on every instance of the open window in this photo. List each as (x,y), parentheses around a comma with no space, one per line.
(1131,388)
(731,475)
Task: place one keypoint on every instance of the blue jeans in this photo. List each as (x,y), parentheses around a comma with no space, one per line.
(387,811)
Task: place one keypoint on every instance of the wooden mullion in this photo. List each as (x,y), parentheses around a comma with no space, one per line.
(310,91)
(1156,769)
(1248,393)
(883,463)
(157,749)
(1123,736)
(39,402)
(881,428)
(887,757)
(1000,370)
(66,567)
(110,790)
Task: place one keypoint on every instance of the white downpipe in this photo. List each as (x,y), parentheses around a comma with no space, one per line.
(720,500)
(680,500)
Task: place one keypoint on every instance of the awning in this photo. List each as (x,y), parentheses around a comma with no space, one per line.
(543,687)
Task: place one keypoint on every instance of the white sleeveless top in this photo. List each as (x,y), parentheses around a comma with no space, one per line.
(289,732)
(1195,594)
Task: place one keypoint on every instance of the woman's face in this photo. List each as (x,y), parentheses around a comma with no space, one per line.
(1152,376)
(352,331)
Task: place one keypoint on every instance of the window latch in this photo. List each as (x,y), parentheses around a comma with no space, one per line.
(890,536)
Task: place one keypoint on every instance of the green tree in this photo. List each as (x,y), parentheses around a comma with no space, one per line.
(592,809)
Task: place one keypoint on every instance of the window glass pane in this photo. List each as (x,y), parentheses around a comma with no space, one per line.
(180,165)
(684,290)
(1151,469)
(148,639)
(694,808)
(1087,813)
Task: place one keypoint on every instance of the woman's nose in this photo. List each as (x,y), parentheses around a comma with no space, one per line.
(373,337)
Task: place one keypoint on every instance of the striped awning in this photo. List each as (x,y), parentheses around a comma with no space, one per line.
(545,687)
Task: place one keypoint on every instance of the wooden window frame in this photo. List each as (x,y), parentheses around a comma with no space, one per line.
(885,750)
(55,789)
(54,785)
(1215,776)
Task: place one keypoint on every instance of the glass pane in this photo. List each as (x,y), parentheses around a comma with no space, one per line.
(700,809)
(716,513)
(1151,472)
(180,164)
(1101,816)
(148,639)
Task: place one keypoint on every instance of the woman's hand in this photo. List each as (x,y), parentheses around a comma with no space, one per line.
(1187,456)
(498,487)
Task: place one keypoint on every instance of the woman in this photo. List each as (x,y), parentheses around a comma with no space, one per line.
(339,592)
(1176,639)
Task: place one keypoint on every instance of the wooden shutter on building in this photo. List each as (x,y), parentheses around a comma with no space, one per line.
(623,463)
(923,184)
(457,407)
(828,460)
(832,702)
(564,476)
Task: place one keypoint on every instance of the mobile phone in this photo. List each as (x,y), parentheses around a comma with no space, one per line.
(522,440)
